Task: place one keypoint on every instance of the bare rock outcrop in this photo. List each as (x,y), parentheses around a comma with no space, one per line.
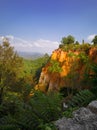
(83,119)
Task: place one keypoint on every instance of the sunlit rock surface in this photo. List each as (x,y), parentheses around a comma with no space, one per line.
(69,63)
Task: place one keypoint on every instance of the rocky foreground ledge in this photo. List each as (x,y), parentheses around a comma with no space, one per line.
(83,119)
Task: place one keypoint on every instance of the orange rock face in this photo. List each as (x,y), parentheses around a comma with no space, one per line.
(70,63)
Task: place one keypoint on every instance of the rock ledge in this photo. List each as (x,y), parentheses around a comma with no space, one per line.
(83,119)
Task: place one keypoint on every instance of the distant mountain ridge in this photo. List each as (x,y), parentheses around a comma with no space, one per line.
(30,55)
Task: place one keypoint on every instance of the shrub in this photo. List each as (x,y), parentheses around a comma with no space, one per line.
(82,98)
(37,114)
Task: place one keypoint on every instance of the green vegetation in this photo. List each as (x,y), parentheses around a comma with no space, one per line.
(37,114)
(82,98)
(95,40)
(93,79)
(23,108)
(55,66)
(68,40)
(32,68)
(76,47)
(68,113)
(10,68)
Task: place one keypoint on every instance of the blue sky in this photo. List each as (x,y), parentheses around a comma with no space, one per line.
(39,25)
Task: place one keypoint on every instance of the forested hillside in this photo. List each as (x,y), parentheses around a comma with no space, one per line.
(33,91)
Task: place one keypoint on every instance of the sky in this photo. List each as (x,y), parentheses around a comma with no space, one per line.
(39,25)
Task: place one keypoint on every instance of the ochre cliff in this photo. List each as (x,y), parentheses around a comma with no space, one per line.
(72,63)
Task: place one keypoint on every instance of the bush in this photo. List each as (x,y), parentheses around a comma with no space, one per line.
(82,98)
(69,111)
(37,114)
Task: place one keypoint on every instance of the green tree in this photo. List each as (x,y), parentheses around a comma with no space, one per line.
(83,41)
(76,43)
(10,67)
(95,40)
(68,40)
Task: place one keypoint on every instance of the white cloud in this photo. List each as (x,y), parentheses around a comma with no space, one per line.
(10,37)
(41,45)
(1,38)
(91,37)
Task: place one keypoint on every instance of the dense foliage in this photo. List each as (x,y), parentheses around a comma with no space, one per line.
(68,40)
(10,68)
(55,66)
(36,114)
